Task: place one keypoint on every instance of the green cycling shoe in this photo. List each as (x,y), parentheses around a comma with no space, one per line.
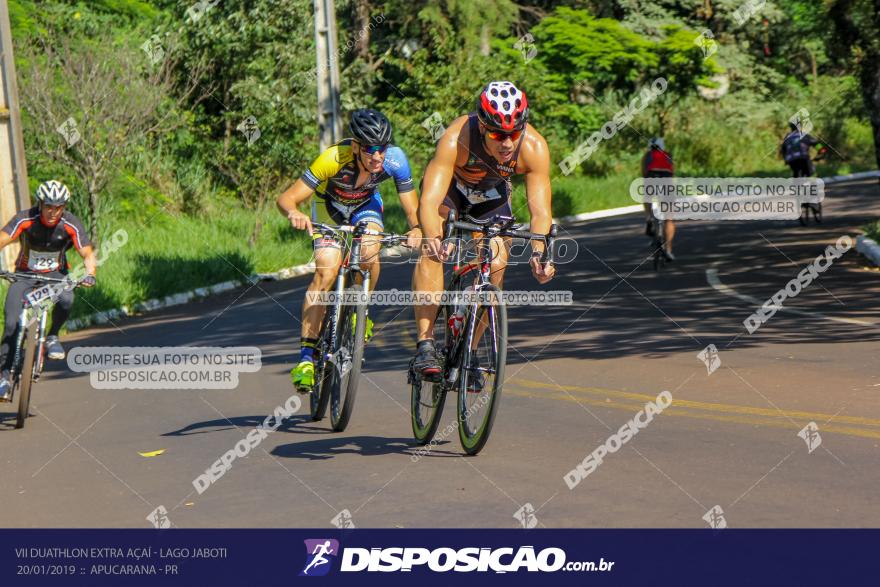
(303,376)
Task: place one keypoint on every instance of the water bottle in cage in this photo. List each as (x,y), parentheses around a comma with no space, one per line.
(456,320)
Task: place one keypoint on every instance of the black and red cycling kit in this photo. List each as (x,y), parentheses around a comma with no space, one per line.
(44,248)
(481,187)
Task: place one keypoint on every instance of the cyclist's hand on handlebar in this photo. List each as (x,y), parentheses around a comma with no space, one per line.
(435,248)
(300,221)
(414,237)
(543,272)
(88,281)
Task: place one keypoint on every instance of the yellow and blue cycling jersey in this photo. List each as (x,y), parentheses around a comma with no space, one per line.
(334,173)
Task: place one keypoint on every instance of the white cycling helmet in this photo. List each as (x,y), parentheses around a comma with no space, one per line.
(53,193)
(657,142)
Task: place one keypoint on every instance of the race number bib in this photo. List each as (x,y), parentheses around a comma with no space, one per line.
(43,260)
(36,296)
(476,196)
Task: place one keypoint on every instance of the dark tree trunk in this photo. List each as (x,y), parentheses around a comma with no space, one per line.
(870,78)
(363,21)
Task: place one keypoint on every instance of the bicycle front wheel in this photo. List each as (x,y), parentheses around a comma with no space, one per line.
(320,396)
(482,369)
(27,375)
(427,398)
(347,361)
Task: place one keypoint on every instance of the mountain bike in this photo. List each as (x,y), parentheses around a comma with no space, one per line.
(30,342)
(340,349)
(472,345)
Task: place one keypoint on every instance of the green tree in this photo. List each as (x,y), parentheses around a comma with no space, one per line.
(258,129)
(857,37)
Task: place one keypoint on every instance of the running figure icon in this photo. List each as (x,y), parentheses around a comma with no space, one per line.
(318,551)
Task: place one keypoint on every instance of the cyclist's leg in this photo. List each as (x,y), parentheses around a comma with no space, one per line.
(12,308)
(669,234)
(63,304)
(60,313)
(649,217)
(428,281)
(328,258)
(428,276)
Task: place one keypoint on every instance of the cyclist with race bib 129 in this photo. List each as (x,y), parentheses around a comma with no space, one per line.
(345,178)
(45,232)
(471,172)
(657,162)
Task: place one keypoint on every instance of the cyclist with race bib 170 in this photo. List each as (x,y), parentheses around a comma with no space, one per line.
(345,178)
(45,232)
(657,162)
(470,172)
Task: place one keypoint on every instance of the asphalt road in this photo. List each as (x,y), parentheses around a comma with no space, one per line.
(575,375)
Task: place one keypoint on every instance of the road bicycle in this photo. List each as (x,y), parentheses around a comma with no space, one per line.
(814,207)
(30,342)
(472,341)
(340,349)
(658,242)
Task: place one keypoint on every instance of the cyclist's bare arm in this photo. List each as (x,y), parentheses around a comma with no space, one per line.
(5,239)
(89,259)
(535,159)
(288,204)
(438,177)
(410,202)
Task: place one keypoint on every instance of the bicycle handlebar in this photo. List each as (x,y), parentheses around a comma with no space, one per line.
(360,229)
(16,276)
(502,226)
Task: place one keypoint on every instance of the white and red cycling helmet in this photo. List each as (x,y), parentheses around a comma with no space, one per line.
(503,106)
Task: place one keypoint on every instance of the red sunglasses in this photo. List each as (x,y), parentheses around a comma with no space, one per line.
(497,135)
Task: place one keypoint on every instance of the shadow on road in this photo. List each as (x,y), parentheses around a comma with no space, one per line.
(331,446)
(292,424)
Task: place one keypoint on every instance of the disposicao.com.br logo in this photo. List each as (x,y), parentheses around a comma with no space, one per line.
(464,560)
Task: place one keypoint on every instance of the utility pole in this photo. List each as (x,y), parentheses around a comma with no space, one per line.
(329,119)
(14,191)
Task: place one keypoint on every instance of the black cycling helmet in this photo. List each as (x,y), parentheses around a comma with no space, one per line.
(370,127)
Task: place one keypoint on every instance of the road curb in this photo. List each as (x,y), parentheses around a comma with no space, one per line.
(851,176)
(869,248)
(101,318)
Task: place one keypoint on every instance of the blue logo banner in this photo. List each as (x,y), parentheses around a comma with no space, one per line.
(437,557)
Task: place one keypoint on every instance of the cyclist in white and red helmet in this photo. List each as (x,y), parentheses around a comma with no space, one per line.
(45,232)
(470,172)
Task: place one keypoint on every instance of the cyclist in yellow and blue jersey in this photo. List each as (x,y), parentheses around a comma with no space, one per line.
(345,181)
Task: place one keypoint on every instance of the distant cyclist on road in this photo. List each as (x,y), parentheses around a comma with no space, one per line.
(470,172)
(45,232)
(795,151)
(345,179)
(657,162)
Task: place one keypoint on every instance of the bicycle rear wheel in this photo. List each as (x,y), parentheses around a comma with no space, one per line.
(427,398)
(659,246)
(348,357)
(27,372)
(482,369)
